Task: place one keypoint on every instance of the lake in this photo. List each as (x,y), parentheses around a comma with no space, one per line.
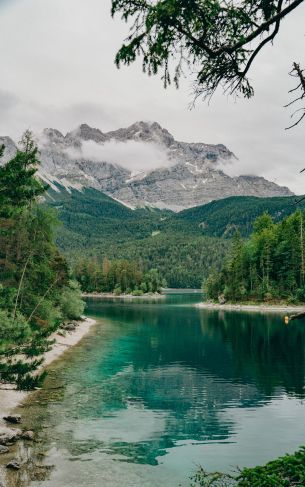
(161,387)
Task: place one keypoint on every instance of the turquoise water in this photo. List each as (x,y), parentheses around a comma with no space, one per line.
(161,387)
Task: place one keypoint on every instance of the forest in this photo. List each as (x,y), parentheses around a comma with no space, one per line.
(269,266)
(183,246)
(117,276)
(37,292)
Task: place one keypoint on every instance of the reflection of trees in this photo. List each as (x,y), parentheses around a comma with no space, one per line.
(235,346)
(190,366)
(263,349)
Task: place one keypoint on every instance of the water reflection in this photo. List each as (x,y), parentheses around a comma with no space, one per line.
(263,350)
(157,378)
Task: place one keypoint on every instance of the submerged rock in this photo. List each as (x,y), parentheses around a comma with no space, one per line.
(13,418)
(28,435)
(9,435)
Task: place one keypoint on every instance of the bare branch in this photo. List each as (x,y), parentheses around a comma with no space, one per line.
(299,73)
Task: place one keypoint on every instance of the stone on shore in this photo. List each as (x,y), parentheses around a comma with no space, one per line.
(13,465)
(69,326)
(28,435)
(13,418)
(9,435)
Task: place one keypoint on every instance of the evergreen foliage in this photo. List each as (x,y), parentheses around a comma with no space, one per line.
(182,246)
(117,276)
(286,471)
(34,277)
(216,42)
(269,266)
(222,218)
(182,260)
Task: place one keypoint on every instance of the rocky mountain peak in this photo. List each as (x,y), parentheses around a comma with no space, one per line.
(188,175)
(85,132)
(143,131)
(53,135)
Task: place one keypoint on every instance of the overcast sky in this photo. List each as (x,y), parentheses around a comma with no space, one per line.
(57,70)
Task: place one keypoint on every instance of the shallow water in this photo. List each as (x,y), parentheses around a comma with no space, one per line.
(160,387)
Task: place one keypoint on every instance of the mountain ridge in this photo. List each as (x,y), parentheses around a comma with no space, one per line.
(168,173)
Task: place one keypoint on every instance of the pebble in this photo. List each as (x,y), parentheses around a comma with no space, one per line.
(13,465)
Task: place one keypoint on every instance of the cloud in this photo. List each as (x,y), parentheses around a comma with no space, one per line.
(57,70)
(8,101)
(277,164)
(18,115)
(135,156)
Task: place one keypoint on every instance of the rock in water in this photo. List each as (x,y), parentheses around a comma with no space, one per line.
(28,435)
(3,449)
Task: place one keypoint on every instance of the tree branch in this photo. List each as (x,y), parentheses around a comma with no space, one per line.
(299,73)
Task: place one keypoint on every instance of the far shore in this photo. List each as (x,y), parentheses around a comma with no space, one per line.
(263,307)
(123,296)
(10,398)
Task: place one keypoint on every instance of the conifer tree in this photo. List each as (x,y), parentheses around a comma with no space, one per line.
(34,276)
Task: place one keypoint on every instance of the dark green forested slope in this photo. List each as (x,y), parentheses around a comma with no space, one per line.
(183,261)
(182,246)
(90,217)
(95,225)
(223,217)
(91,214)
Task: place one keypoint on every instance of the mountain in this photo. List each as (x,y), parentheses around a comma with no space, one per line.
(143,165)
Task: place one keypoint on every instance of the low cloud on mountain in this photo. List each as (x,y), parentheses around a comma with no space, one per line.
(135,156)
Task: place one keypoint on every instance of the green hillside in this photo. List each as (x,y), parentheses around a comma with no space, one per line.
(221,218)
(183,246)
(182,260)
(93,224)
(89,216)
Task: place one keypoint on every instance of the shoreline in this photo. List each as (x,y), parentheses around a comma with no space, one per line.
(123,296)
(273,308)
(10,398)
